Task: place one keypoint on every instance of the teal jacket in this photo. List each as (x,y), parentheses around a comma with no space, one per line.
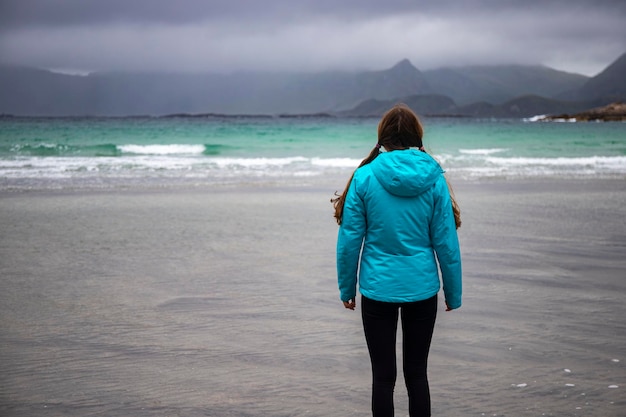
(397,226)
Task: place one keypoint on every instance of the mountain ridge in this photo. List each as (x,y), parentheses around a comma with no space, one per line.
(478,91)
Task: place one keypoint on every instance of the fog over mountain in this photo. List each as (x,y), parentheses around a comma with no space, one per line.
(470,91)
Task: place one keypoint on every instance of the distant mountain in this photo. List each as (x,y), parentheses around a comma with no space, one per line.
(609,84)
(27,91)
(431,104)
(438,105)
(515,91)
(482,91)
(498,84)
(402,78)
(334,91)
(521,107)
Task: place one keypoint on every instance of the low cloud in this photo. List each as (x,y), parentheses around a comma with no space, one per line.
(309,35)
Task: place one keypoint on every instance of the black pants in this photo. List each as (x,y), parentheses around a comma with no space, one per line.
(380,321)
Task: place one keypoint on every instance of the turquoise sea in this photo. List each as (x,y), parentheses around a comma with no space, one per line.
(202,289)
(59,153)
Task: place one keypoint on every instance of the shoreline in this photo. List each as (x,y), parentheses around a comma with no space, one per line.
(316,184)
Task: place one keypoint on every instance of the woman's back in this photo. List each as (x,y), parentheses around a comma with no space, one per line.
(399,207)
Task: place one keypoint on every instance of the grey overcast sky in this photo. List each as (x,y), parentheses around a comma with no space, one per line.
(309,35)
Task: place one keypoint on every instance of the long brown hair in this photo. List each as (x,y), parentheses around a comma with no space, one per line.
(399,128)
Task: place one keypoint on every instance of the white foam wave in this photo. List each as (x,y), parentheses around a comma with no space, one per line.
(488,151)
(161,149)
(257,162)
(537,118)
(336,162)
(140,167)
(491,166)
(544,118)
(590,161)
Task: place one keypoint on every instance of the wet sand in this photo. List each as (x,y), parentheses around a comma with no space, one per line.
(222,301)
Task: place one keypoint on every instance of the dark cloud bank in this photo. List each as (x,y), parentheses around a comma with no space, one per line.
(309,35)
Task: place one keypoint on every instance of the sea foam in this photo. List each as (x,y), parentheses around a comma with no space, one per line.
(482,151)
(162,149)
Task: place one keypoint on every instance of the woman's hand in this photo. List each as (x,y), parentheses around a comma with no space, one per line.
(351,304)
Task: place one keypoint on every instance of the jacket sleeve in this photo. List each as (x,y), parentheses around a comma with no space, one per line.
(349,242)
(446,244)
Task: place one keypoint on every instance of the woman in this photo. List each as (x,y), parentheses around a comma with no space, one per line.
(398,221)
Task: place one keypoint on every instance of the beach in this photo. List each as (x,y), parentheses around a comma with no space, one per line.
(221,300)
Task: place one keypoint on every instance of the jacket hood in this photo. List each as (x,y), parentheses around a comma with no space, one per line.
(406,173)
